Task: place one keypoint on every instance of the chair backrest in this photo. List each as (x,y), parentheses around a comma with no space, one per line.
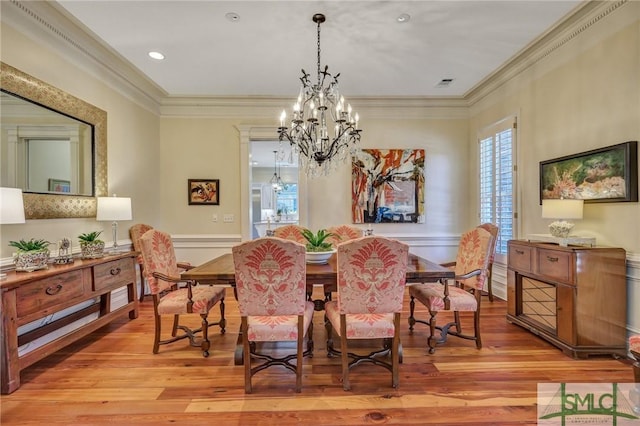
(290,232)
(342,233)
(135,233)
(493,230)
(159,256)
(474,253)
(371,275)
(270,277)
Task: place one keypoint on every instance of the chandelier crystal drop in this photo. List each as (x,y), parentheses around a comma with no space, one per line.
(324,129)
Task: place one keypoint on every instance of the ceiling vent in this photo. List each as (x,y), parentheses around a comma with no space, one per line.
(445,82)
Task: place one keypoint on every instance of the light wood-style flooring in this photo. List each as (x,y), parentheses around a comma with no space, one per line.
(112,377)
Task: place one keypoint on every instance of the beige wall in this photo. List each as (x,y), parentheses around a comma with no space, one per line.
(583,96)
(133,134)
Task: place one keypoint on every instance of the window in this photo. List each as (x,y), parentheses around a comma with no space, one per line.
(497,180)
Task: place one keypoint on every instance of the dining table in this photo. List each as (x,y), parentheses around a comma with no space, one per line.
(221,271)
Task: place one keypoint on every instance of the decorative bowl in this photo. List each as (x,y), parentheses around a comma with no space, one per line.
(319,257)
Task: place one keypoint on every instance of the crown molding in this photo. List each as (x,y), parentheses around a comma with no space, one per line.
(577,21)
(49,24)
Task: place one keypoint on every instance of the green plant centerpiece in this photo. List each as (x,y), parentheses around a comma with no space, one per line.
(30,255)
(318,249)
(90,246)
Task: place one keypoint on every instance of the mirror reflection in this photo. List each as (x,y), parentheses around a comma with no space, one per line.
(44,151)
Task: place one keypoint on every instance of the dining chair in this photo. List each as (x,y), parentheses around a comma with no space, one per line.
(634,394)
(135,233)
(341,233)
(493,230)
(463,295)
(271,290)
(290,232)
(175,296)
(371,282)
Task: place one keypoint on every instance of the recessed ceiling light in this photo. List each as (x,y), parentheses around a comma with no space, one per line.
(156,55)
(403,18)
(232,16)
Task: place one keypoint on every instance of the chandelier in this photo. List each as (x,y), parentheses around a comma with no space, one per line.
(323,132)
(276,182)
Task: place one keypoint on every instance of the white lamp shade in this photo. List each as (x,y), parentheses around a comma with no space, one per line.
(114,208)
(11,206)
(562,209)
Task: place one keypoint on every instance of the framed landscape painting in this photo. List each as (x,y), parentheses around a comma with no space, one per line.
(601,175)
(204,192)
(387,185)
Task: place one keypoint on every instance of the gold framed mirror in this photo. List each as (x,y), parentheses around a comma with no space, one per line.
(51,206)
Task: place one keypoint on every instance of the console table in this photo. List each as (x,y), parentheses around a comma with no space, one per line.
(574,297)
(79,293)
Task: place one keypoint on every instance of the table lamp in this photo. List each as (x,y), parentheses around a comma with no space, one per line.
(561,209)
(11,209)
(114,209)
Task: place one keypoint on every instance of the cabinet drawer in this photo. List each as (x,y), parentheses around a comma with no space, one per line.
(555,265)
(113,274)
(520,257)
(40,295)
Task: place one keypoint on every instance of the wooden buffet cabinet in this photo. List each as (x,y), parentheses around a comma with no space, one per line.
(574,297)
(73,300)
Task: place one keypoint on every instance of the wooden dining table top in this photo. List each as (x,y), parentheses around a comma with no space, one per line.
(221,270)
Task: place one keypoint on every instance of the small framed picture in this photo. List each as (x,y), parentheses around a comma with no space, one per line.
(59,185)
(204,192)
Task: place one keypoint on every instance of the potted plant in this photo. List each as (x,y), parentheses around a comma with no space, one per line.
(90,246)
(31,255)
(318,249)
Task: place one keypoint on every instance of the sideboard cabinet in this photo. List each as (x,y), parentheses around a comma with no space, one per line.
(574,297)
(52,308)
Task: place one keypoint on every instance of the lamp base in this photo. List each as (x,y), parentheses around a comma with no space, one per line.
(560,229)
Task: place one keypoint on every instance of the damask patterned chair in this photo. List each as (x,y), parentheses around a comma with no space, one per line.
(342,233)
(371,283)
(291,233)
(493,230)
(135,233)
(462,295)
(163,275)
(271,284)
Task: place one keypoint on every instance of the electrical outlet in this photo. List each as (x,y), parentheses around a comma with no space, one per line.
(228,218)
(214,217)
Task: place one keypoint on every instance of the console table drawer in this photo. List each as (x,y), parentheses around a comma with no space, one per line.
(43,294)
(556,265)
(520,257)
(113,274)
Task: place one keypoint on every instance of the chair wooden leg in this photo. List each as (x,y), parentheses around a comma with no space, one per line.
(176,321)
(346,385)
(432,333)
(141,283)
(223,322)
(156,339)
(412,308)
(244,329)
(456,319)
(395,351)
(205,344)
(300,347)
(476,325)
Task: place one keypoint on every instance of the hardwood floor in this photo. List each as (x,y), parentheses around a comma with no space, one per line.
(112,377)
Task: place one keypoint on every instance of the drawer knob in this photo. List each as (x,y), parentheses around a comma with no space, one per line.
(520,251)
(552,259)
(52,291)
(115,271)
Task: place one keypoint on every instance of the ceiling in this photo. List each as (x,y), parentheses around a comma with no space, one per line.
(262,52)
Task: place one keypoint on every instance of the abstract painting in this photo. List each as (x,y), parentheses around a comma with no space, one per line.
(387,185)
